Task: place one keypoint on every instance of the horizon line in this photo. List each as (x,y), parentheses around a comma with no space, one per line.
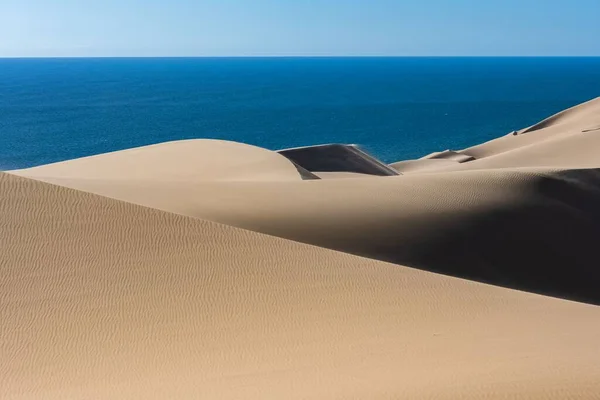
(297,56)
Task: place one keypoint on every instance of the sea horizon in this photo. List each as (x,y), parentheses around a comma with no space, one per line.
(53,109)
(290,56)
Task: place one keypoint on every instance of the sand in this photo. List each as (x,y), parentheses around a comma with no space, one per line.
(210,269)
(567,140)
(184,160)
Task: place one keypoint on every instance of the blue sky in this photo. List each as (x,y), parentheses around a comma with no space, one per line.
(298,27)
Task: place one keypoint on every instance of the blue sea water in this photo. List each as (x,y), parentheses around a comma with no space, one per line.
(396,108)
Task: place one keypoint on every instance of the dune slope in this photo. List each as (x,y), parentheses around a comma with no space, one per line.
(183,160)
(520,211)
(568,139)
(533,229)
(106,299)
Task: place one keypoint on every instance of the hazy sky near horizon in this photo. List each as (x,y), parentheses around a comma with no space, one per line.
(42,28)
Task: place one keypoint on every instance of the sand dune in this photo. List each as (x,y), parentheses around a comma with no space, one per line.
(566,140)
(449,155)
(126,275)
(423,165)
(184,160)
(573,120)
(106,299)
(513,227)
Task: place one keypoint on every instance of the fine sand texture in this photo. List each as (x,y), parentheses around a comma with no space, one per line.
(104,299)
(212,269)
(184,160)
(518,228)
(569,139)
(517,225)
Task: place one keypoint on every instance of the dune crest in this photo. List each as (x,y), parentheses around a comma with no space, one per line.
(105,299)
(212,269)
(183,160)
(564,140)
(574,116)
(564,126)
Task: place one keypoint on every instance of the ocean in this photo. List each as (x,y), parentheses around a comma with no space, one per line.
(395,108)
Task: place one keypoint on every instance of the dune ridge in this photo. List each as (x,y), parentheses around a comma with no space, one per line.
(183,160)
(533,143)
(509,227)
(211,269)
(104,299)
(564,140)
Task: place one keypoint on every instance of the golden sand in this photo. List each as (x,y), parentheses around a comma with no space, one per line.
(210,269)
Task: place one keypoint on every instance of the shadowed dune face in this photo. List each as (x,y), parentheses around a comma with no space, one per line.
(336,158)
(546,242)
(126,275)
(530,228)
(106,299)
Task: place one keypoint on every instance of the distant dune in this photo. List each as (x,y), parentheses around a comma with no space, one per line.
(212,269)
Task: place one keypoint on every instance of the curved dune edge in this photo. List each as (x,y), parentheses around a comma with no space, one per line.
(106,299)
(568,139)
(423,165)
(515,216)
(187,160)
(517,228)
(574,120)
(572,117)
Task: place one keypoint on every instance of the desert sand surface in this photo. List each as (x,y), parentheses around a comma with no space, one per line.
(512,226)
(568,139)
(184,160)
(211,269)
